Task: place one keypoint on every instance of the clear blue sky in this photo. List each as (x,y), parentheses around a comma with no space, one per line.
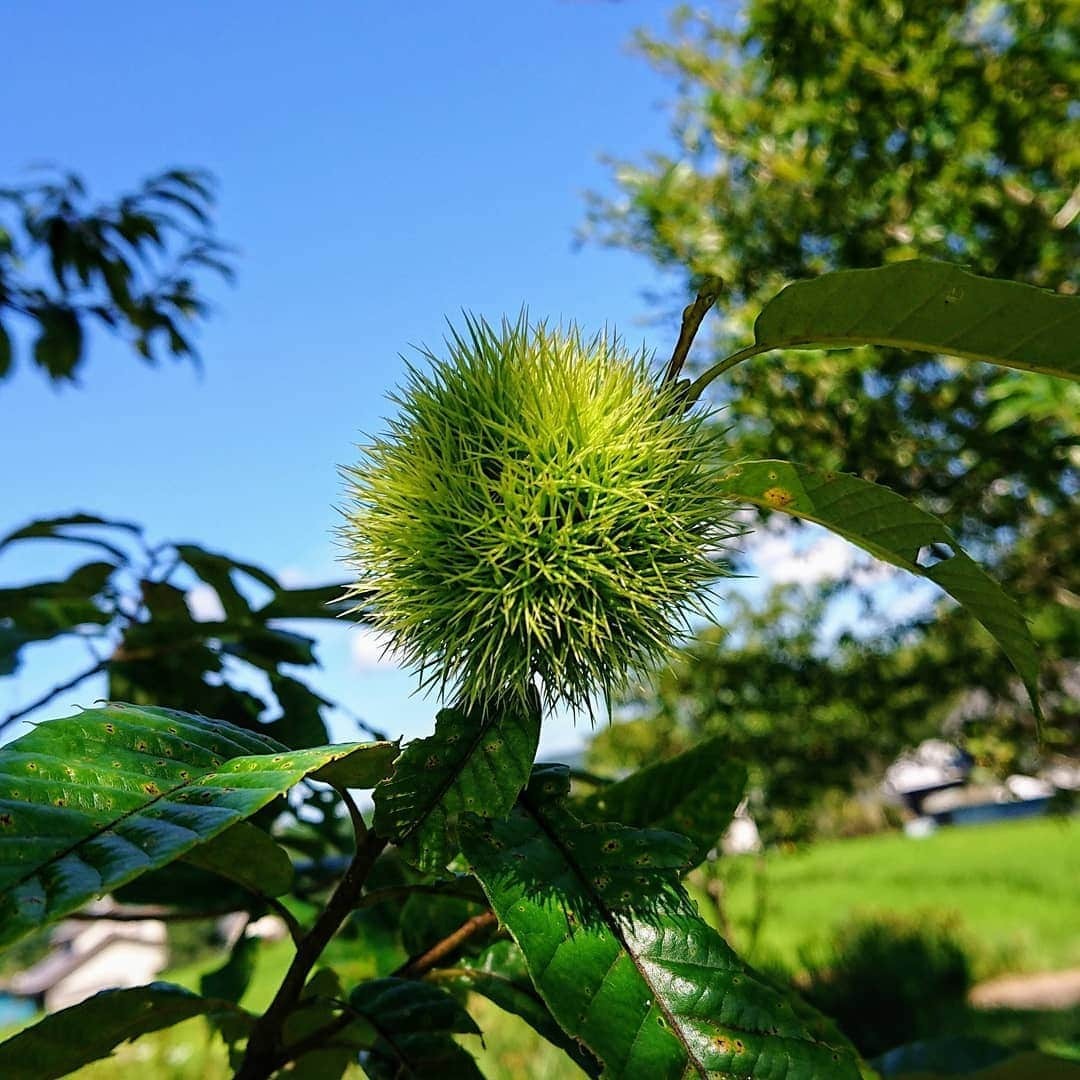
(381,166)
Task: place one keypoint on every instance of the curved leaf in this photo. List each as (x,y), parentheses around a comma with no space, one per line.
(694,793)
(231,979)
(317,602)
(895,530)
(472,763)
(413,1022)
(92,801)
(622,958)
(501,976)
(69,1039)
(924,306)
(246,855)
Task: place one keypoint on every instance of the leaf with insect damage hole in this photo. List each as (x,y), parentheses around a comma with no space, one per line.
(621,956)
(893,529)
(91,801)
(475,762)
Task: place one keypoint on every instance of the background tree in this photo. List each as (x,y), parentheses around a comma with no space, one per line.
(132,265)
(828,135)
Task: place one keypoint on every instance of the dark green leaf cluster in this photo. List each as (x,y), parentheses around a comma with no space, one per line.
(131,266)
(606,931)
(129,606)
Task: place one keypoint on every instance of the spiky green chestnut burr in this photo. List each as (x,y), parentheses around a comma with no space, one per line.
(540,513)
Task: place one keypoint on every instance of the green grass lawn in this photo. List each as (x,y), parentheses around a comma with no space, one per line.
(1014,889)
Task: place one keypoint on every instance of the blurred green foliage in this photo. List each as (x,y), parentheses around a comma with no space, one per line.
(889,981)
(830,134)
(133,265)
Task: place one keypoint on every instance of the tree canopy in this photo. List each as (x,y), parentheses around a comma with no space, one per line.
(826,135)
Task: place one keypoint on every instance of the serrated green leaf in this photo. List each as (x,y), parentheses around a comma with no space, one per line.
(59,346)
(472,763)
(427,918)
(91,801)
(360,770)
(73,1037)
(895,530)
(501,975)
(58,528)
(621,957)
(47,609)
(414,1022)
(217,572)
(924,306)
(187,888)
(318,1008)
(694,794)
(301,723)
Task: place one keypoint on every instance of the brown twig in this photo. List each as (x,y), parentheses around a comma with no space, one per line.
(692,317)
(420,965)
(265,1052)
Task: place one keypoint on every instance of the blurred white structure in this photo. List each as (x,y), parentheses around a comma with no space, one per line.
(932,766)
(742,835)
(92,956)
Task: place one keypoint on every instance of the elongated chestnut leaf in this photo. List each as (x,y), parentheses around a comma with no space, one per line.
(501,975)
(73,1037)
(91,801)
(246,855)
(924,306)
(893,529)
(621,957)
(413,1023)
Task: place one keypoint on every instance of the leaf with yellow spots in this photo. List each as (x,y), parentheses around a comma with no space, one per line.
(694,794)
(897,531)
(621,957)
(91,801)
(475,762)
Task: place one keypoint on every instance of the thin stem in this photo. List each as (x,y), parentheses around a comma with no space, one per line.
(49,695)
(420,965)
(360,828)
(693,315)
(264,1049)
(718,369)
(296,931)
